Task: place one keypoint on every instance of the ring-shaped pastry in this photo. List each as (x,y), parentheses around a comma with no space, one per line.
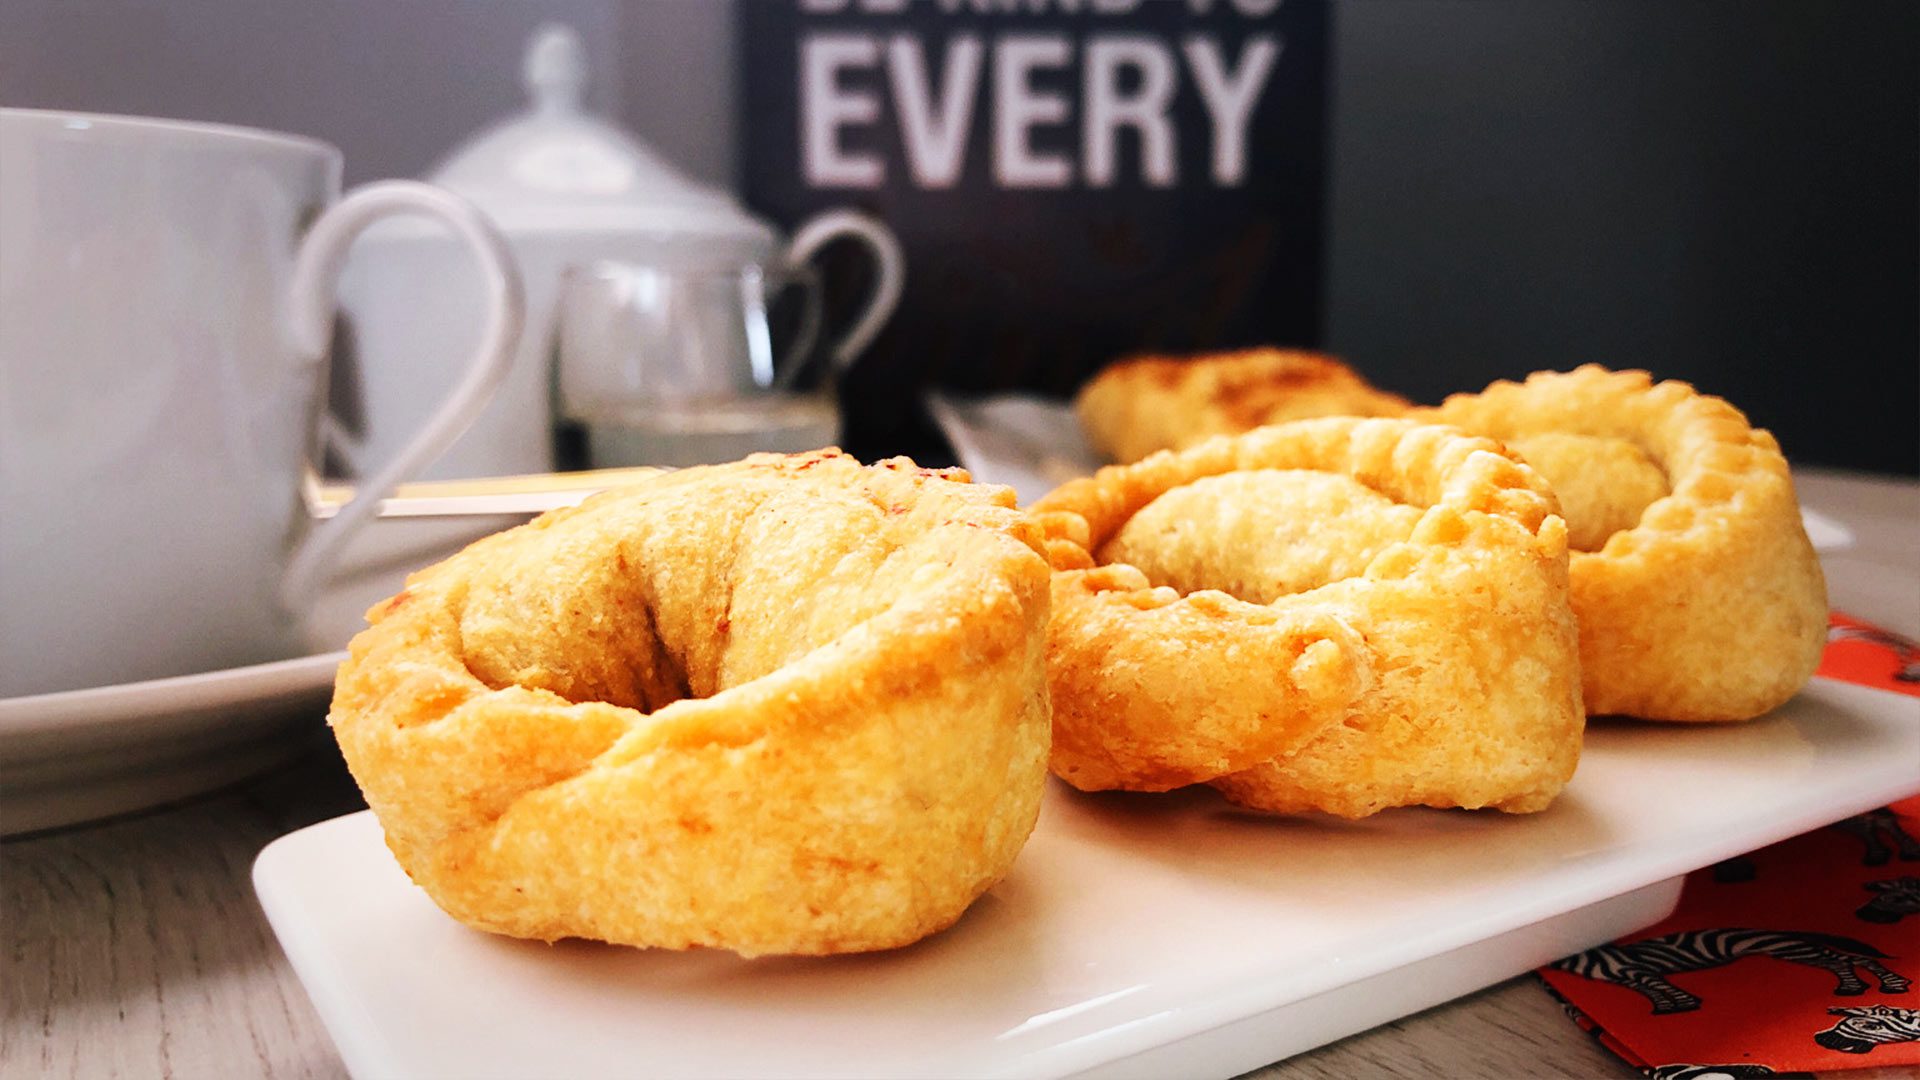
(1339,615)
(1147,403)
(789,705)
(1698,593)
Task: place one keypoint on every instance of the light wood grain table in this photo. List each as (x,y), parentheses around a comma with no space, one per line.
(135,948)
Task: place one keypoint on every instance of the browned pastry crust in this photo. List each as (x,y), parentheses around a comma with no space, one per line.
(1338,614)
(1149,403)
(787,705)
(1699,596)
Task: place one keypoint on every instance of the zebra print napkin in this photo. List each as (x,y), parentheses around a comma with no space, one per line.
(1797,958)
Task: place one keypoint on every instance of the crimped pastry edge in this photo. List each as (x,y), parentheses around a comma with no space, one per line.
(1473,490)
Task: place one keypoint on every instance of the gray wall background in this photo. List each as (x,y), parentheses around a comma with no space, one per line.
(393,83)
(1716,189)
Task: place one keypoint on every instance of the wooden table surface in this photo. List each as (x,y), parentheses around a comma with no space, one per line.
(135,948)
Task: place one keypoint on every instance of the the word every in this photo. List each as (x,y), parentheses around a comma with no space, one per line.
(1126,81)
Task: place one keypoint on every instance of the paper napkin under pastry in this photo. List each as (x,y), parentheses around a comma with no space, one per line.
(1800,957)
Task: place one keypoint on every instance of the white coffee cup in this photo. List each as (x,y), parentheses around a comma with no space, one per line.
(166,302)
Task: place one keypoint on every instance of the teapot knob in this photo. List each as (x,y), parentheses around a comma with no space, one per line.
(555,69)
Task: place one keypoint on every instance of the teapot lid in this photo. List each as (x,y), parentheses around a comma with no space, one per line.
(556,169)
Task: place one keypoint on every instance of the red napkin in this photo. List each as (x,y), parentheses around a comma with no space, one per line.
(1799,957)
(1865,654)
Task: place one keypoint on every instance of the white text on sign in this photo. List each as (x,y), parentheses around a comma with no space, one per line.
(1126,82)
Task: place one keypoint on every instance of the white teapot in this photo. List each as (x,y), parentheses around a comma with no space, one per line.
(568,191)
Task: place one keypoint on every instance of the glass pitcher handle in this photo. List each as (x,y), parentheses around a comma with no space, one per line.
(800,350)
(889,278)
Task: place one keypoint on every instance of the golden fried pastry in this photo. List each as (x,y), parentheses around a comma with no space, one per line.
(1151,403)
(1603,484)
(1261,534)
(1698,593)
(1338,614)
(788,705)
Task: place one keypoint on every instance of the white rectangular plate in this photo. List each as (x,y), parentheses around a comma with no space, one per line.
(1137,936)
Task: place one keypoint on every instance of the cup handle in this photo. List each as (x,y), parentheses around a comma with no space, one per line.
(311,296)
(890,267)
(336,442)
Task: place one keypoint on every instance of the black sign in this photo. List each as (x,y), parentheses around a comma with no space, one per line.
(1072,180)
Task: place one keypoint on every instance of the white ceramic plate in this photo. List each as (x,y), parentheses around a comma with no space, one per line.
(79,755)
(87,754)
(1141,936)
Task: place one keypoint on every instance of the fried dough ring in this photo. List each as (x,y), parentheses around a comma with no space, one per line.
(1148,403)
(787,705)
(1444,674)
(1704,600)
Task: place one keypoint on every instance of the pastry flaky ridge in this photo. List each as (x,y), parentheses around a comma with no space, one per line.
(787,705)
(1338,615)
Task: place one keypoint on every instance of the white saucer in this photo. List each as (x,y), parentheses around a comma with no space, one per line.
(84,754)
(78,755)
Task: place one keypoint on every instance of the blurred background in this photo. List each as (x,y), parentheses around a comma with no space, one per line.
(1719,191)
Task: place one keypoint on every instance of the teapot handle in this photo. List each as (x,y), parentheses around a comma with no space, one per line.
(890,274)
